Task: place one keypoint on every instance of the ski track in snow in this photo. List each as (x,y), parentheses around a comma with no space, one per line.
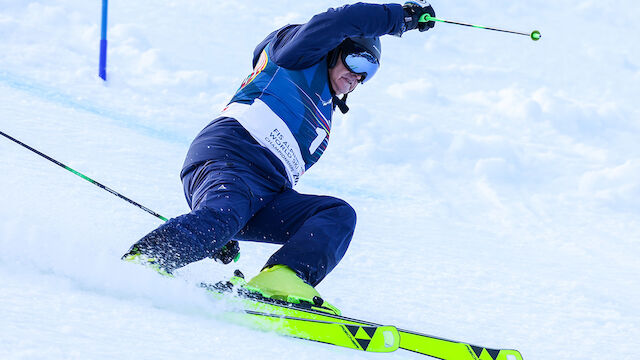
(495,180)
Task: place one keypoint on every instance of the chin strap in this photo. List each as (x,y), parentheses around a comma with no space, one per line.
(341,103)
(332,59)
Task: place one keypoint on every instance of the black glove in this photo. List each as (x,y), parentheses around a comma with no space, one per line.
(413,11)
(227,253)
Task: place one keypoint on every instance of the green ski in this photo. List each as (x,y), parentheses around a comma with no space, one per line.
(376,338)
(312,321)
(408,340)
(452,350)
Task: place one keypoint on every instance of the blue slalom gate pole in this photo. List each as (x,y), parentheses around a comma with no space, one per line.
(102,71)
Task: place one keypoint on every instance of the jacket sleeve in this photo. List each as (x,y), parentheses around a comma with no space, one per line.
(300,46)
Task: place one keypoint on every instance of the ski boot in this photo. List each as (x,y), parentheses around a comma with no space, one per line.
(281,283)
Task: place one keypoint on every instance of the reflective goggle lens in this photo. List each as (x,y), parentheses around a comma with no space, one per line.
(361,63)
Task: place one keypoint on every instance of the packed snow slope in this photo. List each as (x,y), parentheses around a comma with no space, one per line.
(496,179)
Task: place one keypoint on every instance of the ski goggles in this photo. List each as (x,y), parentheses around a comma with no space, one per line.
(361,62)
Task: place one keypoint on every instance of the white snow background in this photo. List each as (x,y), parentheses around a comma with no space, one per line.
(496,179)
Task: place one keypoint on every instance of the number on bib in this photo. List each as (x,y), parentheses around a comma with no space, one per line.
(318,140)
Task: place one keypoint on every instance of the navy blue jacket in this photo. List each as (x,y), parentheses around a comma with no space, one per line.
(300,46)
(285,103)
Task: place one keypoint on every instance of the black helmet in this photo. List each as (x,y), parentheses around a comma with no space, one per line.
(372,45)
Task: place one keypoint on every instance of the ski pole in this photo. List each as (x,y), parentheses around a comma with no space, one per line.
(534,35)
(85,177)
(235,259)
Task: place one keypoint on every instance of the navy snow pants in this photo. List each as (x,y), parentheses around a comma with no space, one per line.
(233,197)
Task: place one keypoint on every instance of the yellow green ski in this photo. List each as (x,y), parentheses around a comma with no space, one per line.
(376,338)
(322,325)
(313,321)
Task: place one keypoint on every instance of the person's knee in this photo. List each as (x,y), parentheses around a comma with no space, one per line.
(346,213)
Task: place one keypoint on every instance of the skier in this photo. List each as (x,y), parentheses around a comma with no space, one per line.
(240,170)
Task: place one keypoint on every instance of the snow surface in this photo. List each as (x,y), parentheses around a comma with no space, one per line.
(497,180)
